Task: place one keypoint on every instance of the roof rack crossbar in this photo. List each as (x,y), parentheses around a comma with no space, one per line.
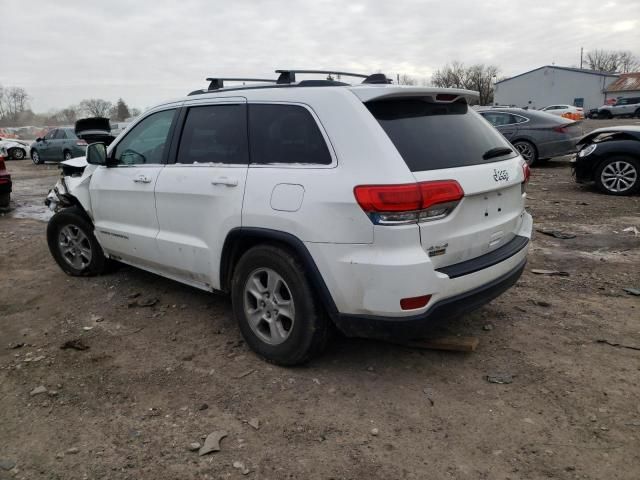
(218,82)
(289,76)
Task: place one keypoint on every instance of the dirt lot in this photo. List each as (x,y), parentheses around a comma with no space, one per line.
(158,378)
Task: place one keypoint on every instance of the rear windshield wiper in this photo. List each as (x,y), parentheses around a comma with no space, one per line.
(496,152)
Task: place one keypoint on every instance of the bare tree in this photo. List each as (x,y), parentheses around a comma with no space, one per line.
(612,61)
(405,79)
(69,115)
(479,77)
(95,107)
(14,100)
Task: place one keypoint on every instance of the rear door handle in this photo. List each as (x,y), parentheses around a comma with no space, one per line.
(229,182)
(142,179)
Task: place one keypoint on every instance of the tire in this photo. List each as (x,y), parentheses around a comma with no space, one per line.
(528,151)
(605,114)
(35,157)
(5,198)
(73,245)
(619,175)
(17,154)
(268,280)
(66,155)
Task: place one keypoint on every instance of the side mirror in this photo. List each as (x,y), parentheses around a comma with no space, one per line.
(97,154)
(39,139)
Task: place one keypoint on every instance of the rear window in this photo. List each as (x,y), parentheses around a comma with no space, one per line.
(431,136)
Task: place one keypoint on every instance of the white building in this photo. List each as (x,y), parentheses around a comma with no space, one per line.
(552,85)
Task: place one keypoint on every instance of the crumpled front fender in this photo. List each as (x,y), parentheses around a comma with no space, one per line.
(72,190)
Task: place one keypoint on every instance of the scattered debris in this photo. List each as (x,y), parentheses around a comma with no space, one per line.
(635,231)
(6,464)
(72,451)
(133,295)
(556,273)
(255,423)
(96,318)
(241,466)
(556,234)
(204,406)
(541,303)
(86,329)
(501,378)
(194,446)
(632,291)
(375,432)
(245,374)
(212,442)
(75,344)
(38,391)
(147,302)
(616,344)
(14,346)
(633,424)
(488,327)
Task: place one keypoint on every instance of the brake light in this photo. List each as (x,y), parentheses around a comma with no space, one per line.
(526,170)
(561,129)
(408,203)
(446,97)
(414,302)
(81,143)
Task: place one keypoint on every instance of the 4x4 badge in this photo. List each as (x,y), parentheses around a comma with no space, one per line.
(499,175)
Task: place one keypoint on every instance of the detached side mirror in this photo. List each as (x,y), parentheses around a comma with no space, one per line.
(97,154)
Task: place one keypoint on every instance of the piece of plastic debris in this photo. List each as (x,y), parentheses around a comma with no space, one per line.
(255,423)
(635,231)
(557,234)
(557,273)
(500,378)
(194,446)
(38,390)
(212,442)
(632,291)
(75,344)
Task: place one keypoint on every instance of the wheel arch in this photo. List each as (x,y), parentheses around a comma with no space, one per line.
(241,239)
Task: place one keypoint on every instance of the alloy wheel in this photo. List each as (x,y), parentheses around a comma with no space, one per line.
(17,154)
(619,176)
(268,306)
(35,156)
(526,150)
(75,247)
(67,155)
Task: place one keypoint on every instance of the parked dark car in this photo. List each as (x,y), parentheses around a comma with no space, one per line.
(57,145)
(536,135)
(5,180)
(610,157)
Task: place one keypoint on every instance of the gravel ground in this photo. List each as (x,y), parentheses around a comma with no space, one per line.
(156,379)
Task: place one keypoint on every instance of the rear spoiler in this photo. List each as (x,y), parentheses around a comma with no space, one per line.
(444,95)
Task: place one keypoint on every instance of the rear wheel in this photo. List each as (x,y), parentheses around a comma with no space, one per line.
(17,154)
(527,150)
(605,114)
(73,245)
(275,307)
(67,155)
(35,157)
(618,176)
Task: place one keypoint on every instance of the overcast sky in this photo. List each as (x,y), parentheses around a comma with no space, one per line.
(150,50)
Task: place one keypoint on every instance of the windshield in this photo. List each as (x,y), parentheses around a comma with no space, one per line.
(431,136)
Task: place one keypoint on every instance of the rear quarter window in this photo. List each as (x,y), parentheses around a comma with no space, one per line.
(432,136)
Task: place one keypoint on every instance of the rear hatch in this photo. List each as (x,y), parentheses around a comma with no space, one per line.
(95,129)
(449,141)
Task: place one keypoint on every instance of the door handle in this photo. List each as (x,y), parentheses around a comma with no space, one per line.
(229,182)
(142,179)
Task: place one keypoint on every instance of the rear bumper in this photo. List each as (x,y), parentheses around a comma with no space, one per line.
(412,327)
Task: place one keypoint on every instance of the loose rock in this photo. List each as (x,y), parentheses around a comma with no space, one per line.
(375,432)
(6,464)
(241,466)
(75,344)
(204,406)
(72,451)
(255,423)
(38,390)
(194,446)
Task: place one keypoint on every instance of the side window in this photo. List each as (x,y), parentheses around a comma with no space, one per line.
(518,119)
(285,134)
(60,135)
(145,143)
(50,134)
(215,133)
(498,119)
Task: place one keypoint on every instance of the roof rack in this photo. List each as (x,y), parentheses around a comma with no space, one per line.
(218,82)
(289,75)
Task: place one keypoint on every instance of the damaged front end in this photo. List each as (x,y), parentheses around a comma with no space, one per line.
(72,187)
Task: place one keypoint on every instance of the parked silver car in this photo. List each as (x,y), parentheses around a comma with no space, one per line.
(536,135)
(624,106)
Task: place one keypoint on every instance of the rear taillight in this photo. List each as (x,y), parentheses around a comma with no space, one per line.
(409,203)
(526,171)
(414,302)
(81,143)
(561,129)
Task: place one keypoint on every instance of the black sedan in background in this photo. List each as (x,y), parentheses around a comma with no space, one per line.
(610,157)
(536,135)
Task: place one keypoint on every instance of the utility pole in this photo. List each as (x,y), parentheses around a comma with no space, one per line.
(581,51)
(398,78)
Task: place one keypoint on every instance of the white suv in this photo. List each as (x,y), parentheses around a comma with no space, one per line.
(373,207)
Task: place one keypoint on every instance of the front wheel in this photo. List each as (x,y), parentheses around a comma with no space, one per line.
(5,199)
(67,155)
(35,157)
(618,176)
(73,245)
(527,150)
(275,306)
(17,154)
